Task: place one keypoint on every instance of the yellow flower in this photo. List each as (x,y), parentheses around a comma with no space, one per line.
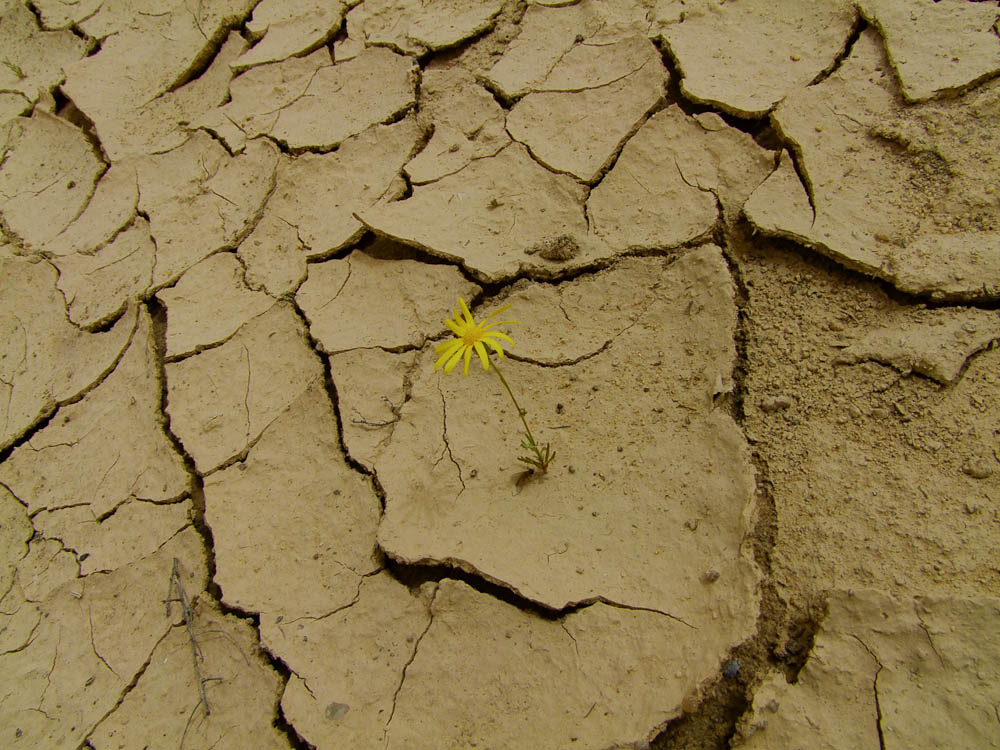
(470,336)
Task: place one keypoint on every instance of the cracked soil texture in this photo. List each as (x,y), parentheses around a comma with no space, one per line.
(753,253)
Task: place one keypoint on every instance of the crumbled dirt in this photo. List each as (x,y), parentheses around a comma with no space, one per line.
(752,259)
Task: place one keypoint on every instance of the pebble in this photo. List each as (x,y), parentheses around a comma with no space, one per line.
(977,467)
(732,669)
(775,403)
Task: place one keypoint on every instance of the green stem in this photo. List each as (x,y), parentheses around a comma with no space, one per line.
(520,411)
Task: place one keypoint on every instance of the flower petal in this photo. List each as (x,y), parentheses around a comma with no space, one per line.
(500,334)
(468,356)
(446,345)
(455,357)
(502,322)
(481,351)
(454,327)
(446,350)
(465,310)
(495,345)
(497,312)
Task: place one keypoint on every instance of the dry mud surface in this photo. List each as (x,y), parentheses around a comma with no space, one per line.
(755,252)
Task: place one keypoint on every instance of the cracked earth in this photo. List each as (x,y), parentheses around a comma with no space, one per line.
(755,252)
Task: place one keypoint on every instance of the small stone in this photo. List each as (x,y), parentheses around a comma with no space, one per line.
(710,576)
(336,711)
(732,669)
(977,467)
(559,248)
(775,403)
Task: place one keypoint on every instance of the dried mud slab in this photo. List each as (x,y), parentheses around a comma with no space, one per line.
(936,344)
(281,29)
(348,666)
(135,530)
(44,359)
(878,479)
(221,400)
(13,106)
(575,535)
(937,47)
(164,122)
(274,256)
(577,119)
(98,286)
(209,304)
(906,193)
(663,189)
(293,524)
(109,210)
(609,663)
(162,709)
(439,671)
(77,459)
(466,121)
(145,55)
(33,58)
(886,672)
(415,27)
(15,531)
(494,217)
(745,59)
(371,389)
(311,211)
(199,184)
(309,103)
(95,636)
(363,301)
(47,175)
(548,30)
(102,18)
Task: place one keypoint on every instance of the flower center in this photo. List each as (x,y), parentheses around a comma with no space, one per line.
(472,336)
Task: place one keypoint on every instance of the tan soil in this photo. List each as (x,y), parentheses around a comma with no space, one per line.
(755,256)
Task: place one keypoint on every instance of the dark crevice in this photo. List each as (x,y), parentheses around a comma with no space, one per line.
(414,575)
(326,40)
(295,740)
(736,118)
(712,724)
(505,103)
(332,393)
(413,656)
(794,150)
(43,420)
(66,108)
(36,13)
(131,683)
(758,128)
(204,59)
(878,705)
(819,260)
(662,103)
(158,313)
(860,24)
